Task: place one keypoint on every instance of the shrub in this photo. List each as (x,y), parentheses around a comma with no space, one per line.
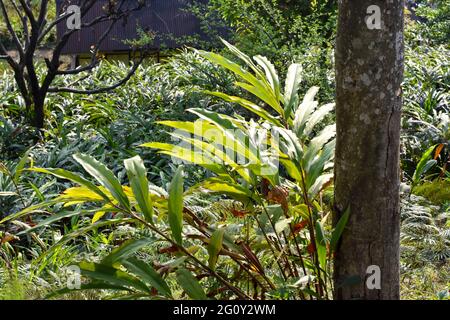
(276,219)
(437,191)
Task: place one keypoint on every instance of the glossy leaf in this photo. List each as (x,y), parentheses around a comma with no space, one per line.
(292,85)
(104,176)
(111,275)
(176,205)
(424,164)
(64,174)
(137,175)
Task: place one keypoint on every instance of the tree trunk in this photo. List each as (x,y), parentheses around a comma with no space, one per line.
(38,112)
(369,73)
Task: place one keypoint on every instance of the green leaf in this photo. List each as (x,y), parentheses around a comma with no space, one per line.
(97,216)
(214,147)
(148,274)
(137,175)
(125,250)
(104,176)
(321,245)
(190,285)
(292,85)
(316,167)
(272,214)
(7,194)
(317,144)
(271,74)
(238,53)
(259,86)
(231,131)
(19,168)
(281,225)
(230,65)
(52,219)
(27,211)
(77,195)
(319,184)
(424,165)
(317,117)
(176,205)
(339,229)
(79,232)
(218,185)
(105,273)
(290,144)
(187,154)
(64,174)
(265,94)
(252,107)
(38,192)
(304,111)
(214,247)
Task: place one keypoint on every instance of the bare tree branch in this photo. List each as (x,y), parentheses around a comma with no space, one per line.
(35,29)
(94,61)
(53,24)
(105,89)
(26,6)
(11,30)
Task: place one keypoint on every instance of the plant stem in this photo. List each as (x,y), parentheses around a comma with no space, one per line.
(237,291)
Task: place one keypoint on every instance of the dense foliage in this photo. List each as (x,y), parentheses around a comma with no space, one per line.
(102,189)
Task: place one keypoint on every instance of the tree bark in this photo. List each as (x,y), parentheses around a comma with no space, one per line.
(39,111)
(369,73)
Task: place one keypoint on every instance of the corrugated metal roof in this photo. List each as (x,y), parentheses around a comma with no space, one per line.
(165,17)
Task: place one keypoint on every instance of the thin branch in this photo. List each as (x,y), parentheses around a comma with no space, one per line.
(11,30)
(52,24)
(23,20)
(94,60)
(65,38)
(18,73)
(26,6)
(104,89)
(236,290)
(42,13)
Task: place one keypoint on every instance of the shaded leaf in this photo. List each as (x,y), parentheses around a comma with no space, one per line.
(190,285)
(214,247)
(176,205)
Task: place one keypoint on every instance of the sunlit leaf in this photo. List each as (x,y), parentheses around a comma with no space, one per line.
(104,176)
(137,175)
